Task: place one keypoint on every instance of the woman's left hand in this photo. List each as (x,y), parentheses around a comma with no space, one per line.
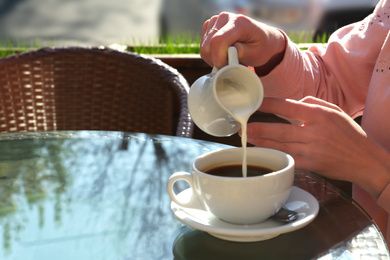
(328,142)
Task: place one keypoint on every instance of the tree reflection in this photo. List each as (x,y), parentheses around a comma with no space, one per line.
(112,185)
(24,175)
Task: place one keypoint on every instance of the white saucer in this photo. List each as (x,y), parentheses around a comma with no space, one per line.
(301,201)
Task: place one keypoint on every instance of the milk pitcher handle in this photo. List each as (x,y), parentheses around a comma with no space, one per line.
(232,59)
(232,55)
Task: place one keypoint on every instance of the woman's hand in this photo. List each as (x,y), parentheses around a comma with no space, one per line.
(257,43)
(327,142)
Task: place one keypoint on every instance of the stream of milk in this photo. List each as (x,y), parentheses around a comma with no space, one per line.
(238,102)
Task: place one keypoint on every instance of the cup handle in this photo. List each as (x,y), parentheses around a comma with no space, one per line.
(193,202)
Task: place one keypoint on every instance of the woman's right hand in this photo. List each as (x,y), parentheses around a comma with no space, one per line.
(257,43)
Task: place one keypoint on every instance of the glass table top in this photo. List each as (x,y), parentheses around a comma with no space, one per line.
(102,195)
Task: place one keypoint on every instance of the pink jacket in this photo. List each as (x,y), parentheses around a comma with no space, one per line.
(354,73)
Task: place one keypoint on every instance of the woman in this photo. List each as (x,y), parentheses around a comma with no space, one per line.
(326,89)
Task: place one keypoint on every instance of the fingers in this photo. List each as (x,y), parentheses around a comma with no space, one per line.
(320,102)
(204,30)
(212,28)
(328,137)
(287,138)
(285,108)
(207,26)
(233,30)
(307,109)
(274,131)
(298,151)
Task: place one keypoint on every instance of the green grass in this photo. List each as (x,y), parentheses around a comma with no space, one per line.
(304,37)
(189,45)
(7,47)
(183,44)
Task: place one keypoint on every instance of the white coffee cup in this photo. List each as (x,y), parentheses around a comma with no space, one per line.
(208,109)
(238,200)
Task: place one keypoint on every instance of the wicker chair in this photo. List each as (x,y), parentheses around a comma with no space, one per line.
(79,88)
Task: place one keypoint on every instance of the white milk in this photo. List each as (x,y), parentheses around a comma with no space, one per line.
(236,99)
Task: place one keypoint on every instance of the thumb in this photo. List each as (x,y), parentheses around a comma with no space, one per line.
(320,102)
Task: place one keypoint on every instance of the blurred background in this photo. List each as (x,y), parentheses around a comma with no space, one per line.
(313,17)
(127,22)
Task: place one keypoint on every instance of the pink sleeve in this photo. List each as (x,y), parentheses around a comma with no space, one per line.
(384,199)
(339,73)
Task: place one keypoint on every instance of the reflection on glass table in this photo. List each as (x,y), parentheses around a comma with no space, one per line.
(102,195)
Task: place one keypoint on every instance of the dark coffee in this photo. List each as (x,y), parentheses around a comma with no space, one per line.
(236,171)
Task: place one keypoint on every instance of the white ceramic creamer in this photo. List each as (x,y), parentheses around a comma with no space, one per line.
(217,100)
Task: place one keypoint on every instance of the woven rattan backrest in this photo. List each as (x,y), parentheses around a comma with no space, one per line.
(81,88)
